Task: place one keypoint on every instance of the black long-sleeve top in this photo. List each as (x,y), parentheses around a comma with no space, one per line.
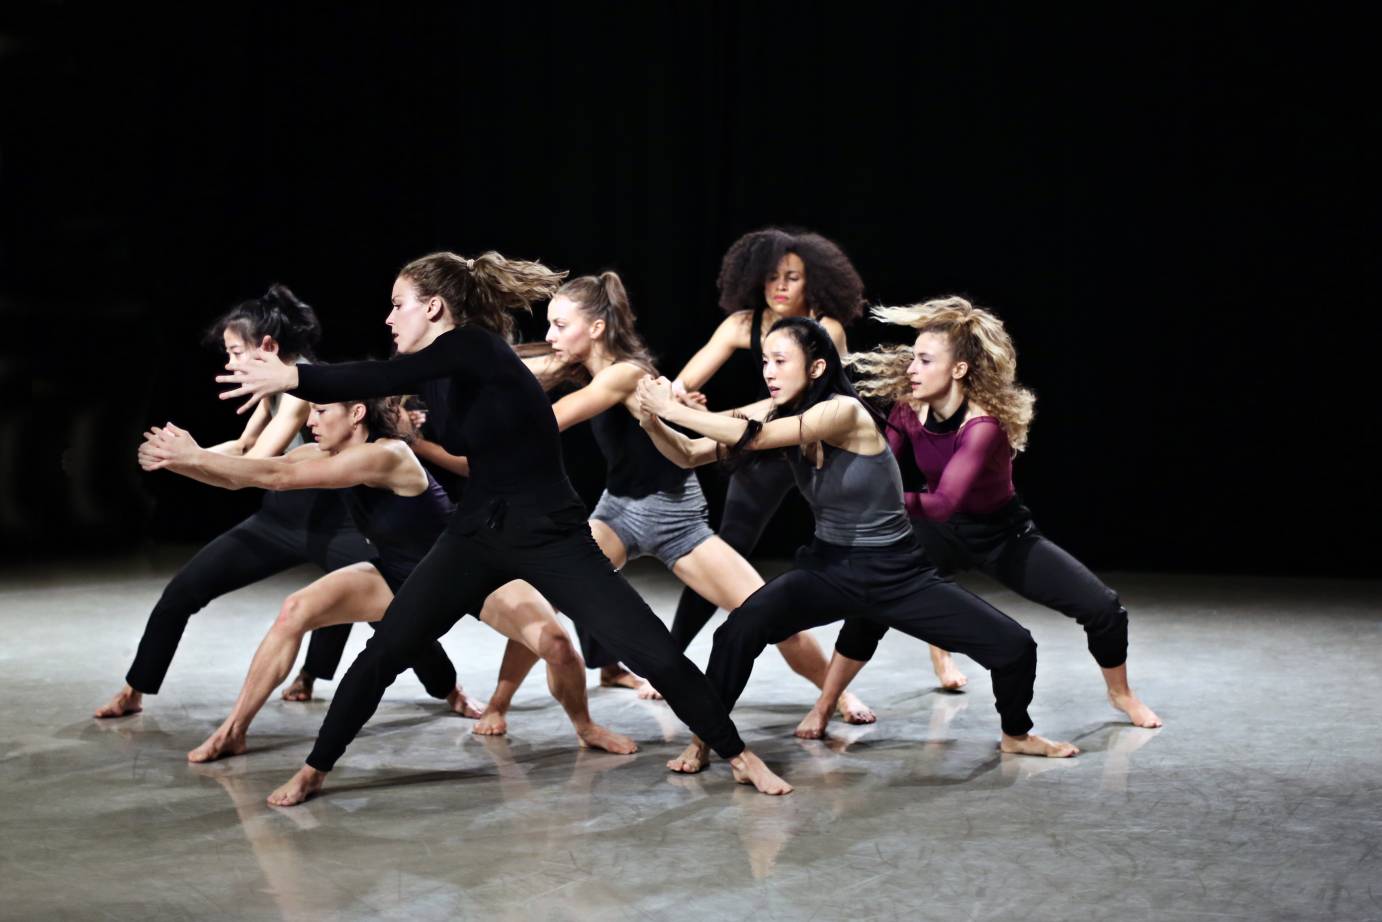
(496,412)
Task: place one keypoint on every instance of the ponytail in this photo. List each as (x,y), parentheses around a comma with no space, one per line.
(602,297)
(483,291)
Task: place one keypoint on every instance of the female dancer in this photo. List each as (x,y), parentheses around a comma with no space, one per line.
(961,414)
(650,507)
(288,530)
(402,510)
(865,562)
(520,517)
(766,275)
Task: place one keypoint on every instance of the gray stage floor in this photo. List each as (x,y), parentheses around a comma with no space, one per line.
(1260,799)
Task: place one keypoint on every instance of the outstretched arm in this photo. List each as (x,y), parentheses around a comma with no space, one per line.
(609,388)
(375,464)
(830,420)
(682,451)
(731,334)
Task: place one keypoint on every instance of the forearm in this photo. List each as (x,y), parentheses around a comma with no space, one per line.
(234,473)
(234,448)
(727,430)
(434,454)
(674,446)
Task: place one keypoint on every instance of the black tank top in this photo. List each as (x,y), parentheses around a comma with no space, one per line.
(634,467)
(756,349)
(402,529)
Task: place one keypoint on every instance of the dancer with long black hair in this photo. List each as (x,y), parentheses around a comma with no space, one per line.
(520,517)
(305,526)
(649,506)
(960,414)
(864,561)
(765,275)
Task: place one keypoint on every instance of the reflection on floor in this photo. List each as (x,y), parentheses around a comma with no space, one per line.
(1260,799)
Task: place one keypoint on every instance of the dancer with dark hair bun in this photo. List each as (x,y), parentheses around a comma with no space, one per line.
(402,510)
(649,506)
(864,562)
(520,517)
(961,415)
(766,275)
(304,526)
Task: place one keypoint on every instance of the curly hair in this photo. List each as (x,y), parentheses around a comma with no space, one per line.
(833,286)
(482,291)
(977,337)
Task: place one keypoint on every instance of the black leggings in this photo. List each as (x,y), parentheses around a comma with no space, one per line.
(1008,547)
(549,545)
(268,542)
(893,587)
(755,493)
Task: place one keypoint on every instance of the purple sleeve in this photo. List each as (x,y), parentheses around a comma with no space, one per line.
(900,422)
(978,440)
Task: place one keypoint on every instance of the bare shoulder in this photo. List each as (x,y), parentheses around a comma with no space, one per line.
(406,475)
(621,376)
(734,329)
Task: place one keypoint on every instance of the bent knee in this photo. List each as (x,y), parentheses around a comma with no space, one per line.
(294,614)
(556,648)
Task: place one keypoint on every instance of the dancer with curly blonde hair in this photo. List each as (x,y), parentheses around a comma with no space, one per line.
(961,413)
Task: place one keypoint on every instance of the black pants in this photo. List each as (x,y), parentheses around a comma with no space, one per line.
(311,528)
(545,540)
(1008,547)
(892,587)
(755,493)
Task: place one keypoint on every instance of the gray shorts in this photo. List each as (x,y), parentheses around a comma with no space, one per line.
(665,525)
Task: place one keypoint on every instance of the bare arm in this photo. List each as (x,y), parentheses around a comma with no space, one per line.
(386,464)
(609,388)
(833,421)
(731,334)
(253,427)
(433,453)
(682,451)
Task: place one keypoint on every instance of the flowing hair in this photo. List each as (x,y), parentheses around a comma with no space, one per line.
(483,291)
(977,337)
(833,286)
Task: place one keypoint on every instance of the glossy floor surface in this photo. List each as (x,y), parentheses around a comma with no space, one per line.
(1260,799)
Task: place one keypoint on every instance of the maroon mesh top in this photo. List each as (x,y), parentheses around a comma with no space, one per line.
(968,471)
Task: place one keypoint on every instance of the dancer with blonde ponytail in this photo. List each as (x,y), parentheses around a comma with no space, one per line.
(520,518)
(650,506)
(960,413)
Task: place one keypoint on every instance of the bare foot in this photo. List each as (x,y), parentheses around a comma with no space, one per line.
(491,723)
(693,758)
(126,701)
(305,783)
(594,736)
(219,745)
(300,689)
(853,710)
(1033,745)
(812,726)
(1138,713)
(950,676)
(648,693)
(463,704)
(749,769)
(618,677)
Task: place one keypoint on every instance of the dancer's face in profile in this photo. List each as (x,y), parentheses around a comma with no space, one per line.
(412,317)
(570,332)
(331,424)
(238,351)
(784,368)
(933,367)
(785,287)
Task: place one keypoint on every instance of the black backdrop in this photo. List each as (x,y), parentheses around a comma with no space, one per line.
(1167,205)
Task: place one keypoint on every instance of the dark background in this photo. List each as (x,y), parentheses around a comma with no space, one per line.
(1169,206)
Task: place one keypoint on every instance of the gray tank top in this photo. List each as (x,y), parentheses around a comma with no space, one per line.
(274,400)
(857,499)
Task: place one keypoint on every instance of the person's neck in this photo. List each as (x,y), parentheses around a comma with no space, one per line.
(598,360)
(436,329)
(357,437)
(947,405)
